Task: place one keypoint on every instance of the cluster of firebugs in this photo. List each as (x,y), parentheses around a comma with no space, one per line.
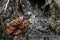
(16,27)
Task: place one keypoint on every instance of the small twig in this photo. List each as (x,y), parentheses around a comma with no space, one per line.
(6,5)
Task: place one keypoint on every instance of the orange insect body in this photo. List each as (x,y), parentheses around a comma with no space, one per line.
(9,29)
(24,25)
(15,22)
(12,27)
(17,32)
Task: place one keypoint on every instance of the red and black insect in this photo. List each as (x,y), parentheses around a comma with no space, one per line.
(16,27)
